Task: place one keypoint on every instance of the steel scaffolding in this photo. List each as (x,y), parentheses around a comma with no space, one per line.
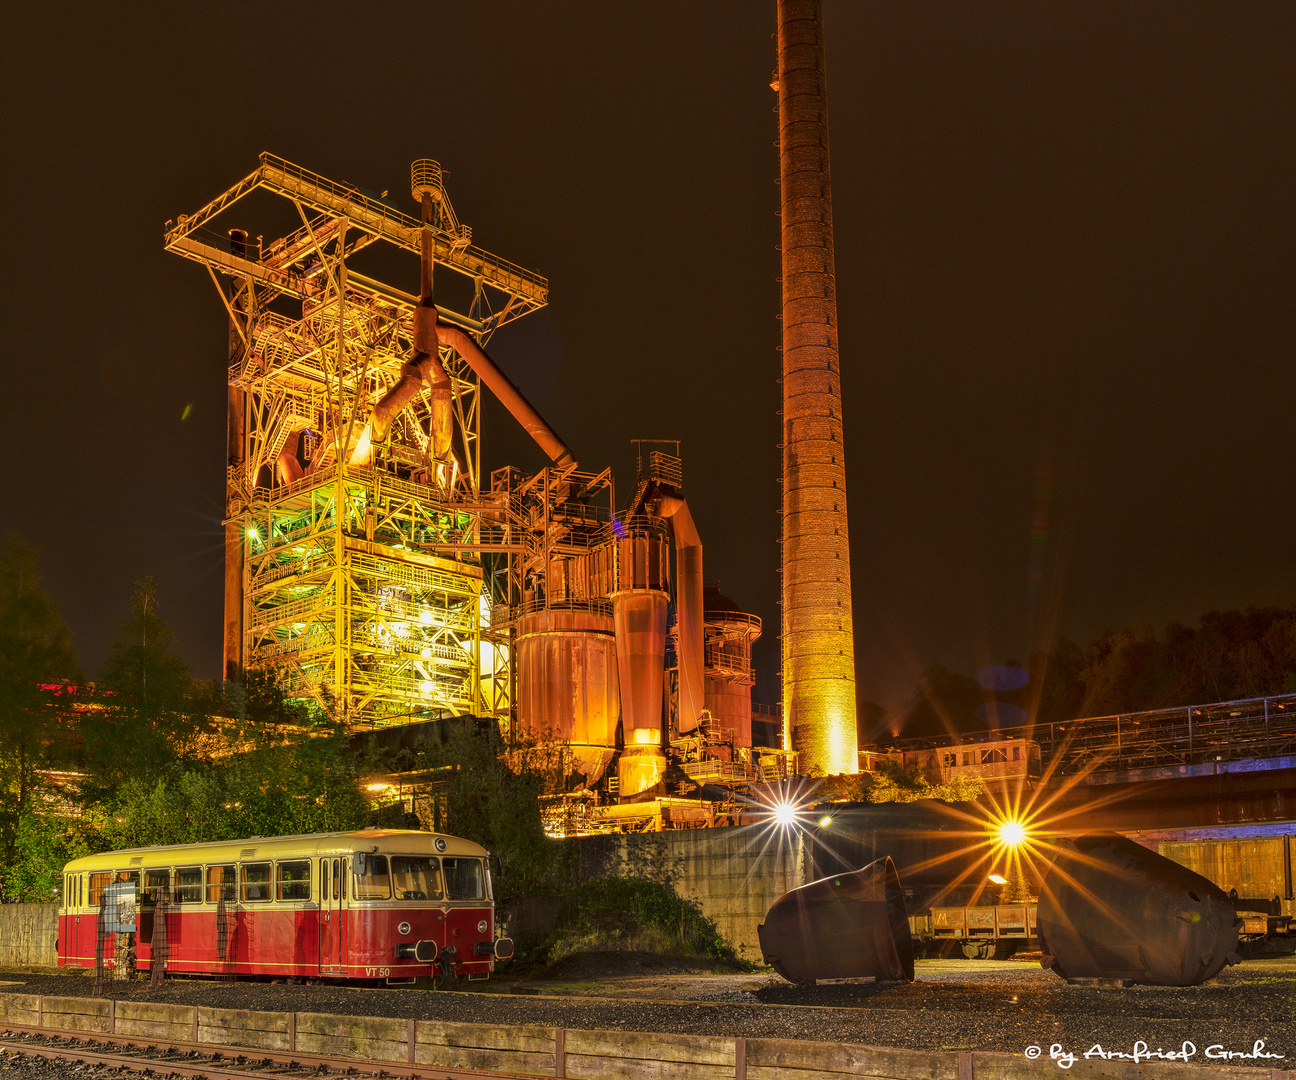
(358,559)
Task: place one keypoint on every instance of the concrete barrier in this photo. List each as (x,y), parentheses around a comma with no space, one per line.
(565,1054)
(28,935)
(733,878)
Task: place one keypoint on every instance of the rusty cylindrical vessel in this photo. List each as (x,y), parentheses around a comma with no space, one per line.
(848,926)
(1111,909)
(568,686)
(730,633)
(817,644)
(640,619)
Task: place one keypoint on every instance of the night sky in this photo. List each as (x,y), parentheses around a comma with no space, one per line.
(1065,238)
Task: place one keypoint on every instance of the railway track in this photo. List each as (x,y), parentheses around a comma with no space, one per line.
(160,1058)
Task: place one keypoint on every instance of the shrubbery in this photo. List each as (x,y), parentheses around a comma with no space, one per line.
(628,913)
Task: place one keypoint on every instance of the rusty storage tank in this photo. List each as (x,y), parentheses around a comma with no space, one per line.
(639,617)
(1111,909)
(729,633)
(848,926)
(568,683)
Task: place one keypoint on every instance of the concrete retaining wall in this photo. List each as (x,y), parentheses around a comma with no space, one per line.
(28,935)
(557,1052)
(733,874)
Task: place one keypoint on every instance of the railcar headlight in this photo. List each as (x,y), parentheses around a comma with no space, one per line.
(481,927)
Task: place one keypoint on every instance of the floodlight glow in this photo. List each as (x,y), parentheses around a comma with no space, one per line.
(1012,833)
(253,534)
(785,813)
(998,880)
(825,821)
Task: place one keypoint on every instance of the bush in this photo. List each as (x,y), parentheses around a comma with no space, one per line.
(627,913)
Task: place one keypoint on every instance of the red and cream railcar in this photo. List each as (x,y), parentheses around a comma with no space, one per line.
(375,904)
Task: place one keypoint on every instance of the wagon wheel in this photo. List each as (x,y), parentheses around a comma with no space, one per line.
(976,950)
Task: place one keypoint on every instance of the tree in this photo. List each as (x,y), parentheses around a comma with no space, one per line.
(269,766)
(477,794)
(149,710)
(894,782)
(37,670)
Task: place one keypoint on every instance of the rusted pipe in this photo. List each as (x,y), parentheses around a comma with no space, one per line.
(287,467)
(423,367)
(690,617)
(509,395)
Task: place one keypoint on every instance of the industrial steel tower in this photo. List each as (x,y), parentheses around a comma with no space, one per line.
(817,648)
(358,516)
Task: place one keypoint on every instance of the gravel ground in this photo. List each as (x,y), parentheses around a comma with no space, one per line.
(1002,1006)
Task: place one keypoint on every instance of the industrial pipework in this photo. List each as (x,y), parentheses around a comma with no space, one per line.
(425,367)
(818,651)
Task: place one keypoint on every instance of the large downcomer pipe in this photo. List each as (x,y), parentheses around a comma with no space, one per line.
(425,365)
(818,650)
(689,616)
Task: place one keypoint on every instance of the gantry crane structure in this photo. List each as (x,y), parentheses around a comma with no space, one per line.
(359,539)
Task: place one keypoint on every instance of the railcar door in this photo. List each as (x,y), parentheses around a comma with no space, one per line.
(156,882)
(66,918)
(332,926)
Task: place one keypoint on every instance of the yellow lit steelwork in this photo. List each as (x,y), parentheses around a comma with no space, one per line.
(354,538)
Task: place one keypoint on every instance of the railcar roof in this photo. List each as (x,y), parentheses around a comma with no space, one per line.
(307,845)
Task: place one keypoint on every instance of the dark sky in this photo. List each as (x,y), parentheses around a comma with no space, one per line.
(1065,239)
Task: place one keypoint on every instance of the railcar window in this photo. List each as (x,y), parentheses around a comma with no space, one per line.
(325,873)
(374,883)
(464,879)
(220,883)
(256,882)
(97,885)
(416,877)
(154,882)
(189,885)
(133,877)
(293,881)
(339,882)
(990,757)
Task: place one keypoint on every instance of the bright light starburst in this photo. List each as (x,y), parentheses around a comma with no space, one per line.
(785,813)
(1012,833)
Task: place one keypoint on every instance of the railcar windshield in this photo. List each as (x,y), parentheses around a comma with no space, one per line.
(373,882)
(464,879)
(416,877)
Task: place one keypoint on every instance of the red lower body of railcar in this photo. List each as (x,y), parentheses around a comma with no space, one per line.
(342,943)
